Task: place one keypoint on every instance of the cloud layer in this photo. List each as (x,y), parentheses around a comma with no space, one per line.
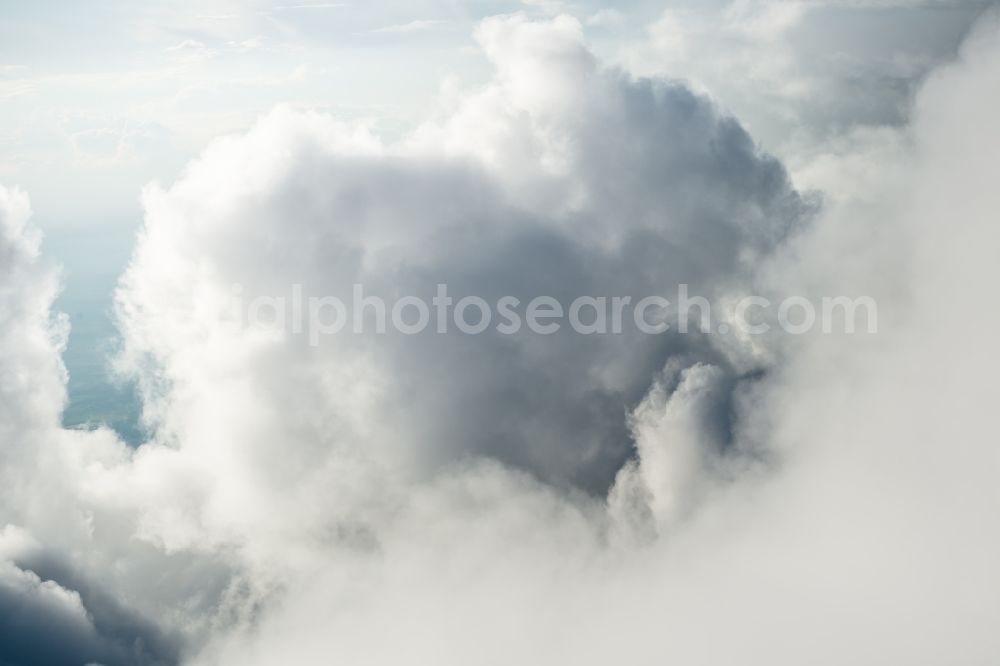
(451,499)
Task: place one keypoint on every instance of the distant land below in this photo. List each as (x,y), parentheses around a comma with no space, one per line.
(95,397)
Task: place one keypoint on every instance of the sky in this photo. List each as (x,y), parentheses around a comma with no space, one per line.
(180,484)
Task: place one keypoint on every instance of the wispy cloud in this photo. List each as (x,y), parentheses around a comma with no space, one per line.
(190,48)
(412,26)
(325,5)
(605,18)
(245,45)
(17,88)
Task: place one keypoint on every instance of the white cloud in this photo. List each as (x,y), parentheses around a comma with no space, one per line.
(191,48)
(322,5)
(801,73)
(377,500)
(412,26)
(606,17)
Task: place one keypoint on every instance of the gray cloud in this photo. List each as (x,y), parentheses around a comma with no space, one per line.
(826,500)
(45,620)
(651,187)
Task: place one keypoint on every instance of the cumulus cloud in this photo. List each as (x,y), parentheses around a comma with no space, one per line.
(801,73)
(52,616)
(542,499)
(514,193)
(58,602)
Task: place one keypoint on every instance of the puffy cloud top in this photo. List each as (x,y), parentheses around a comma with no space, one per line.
(488,499)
